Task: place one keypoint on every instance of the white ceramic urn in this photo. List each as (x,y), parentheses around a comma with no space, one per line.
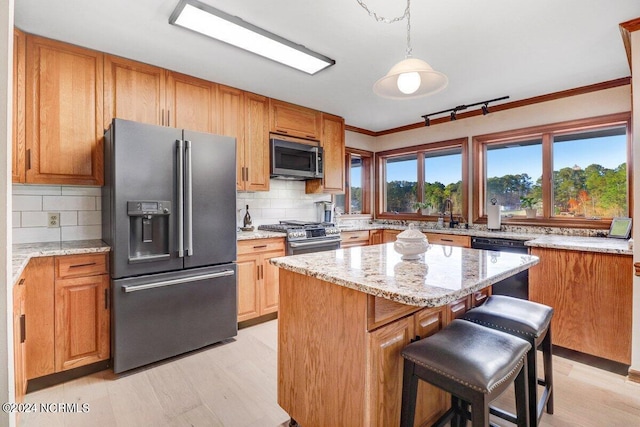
(411,243)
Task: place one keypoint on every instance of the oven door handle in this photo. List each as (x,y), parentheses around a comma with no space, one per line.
(316,243)
(135,288)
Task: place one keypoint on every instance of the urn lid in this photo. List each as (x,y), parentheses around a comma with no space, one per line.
(411,234)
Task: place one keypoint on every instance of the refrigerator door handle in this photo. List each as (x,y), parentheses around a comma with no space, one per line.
(180,185)
(188,202)
(135,288)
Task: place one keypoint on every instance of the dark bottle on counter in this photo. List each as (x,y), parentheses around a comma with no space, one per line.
(247,218)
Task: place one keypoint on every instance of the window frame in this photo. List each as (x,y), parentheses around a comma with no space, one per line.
(381,156)
(546,134)
(367,173)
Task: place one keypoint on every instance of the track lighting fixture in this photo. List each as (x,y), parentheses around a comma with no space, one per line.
(453,116)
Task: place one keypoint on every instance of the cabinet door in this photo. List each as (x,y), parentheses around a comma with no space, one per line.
(256,153)
(270,283)
(18,343)
(385,370)
(133,91)
(432,402)
(333,145)
(64,126)
(81,321)
(389,235)
(294,120)
(18,165)
(458,308)
(354,238)
(375,237)
(248,290)
(231,123)
(39,316)
(191,103)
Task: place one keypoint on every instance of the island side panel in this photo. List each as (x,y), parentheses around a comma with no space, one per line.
(321,351)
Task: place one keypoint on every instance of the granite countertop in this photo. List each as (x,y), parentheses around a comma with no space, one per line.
(258,234)
(553,241)
(22,253)
(443,275)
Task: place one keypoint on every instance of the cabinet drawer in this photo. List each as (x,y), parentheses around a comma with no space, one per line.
(449,239)
(260,245)
(354,238)
(81,265)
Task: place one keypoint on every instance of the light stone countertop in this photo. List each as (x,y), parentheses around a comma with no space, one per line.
(258,234)
(22,253)
(584,244)
(444,273)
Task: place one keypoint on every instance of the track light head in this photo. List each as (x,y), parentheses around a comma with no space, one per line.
(485,109)
(453,115)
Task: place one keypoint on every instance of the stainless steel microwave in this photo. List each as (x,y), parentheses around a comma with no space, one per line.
(294,160)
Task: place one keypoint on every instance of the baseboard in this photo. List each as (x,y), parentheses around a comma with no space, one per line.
(257,320)
(60,377)
(634,376)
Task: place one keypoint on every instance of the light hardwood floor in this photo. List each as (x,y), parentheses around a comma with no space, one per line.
(234,384)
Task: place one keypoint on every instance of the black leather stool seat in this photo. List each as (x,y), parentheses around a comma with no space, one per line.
(473,363)
(516,316)
(532,322)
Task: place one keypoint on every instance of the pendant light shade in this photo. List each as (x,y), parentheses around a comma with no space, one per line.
(410,78)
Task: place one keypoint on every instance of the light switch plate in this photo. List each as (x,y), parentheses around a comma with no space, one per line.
(53,219)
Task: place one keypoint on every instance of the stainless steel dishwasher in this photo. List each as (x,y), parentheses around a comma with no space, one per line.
(515,286)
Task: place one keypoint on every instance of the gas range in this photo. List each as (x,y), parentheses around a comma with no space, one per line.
(307,236)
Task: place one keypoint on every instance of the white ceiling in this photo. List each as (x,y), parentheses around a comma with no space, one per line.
(488,48)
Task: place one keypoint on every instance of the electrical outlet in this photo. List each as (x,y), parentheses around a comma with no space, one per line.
(53,219)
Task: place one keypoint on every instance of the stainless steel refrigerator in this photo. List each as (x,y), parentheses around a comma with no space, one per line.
(169,216)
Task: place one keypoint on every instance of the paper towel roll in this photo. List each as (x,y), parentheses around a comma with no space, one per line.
(493,217)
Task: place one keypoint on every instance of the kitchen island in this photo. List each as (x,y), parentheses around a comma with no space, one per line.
(345,315)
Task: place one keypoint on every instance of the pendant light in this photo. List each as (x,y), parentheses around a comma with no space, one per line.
(412,77)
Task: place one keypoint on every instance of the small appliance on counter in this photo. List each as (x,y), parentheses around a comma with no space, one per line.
(493,215)
(325,211)
(246,221)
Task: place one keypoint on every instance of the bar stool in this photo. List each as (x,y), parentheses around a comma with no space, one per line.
(473,363)
(532,322)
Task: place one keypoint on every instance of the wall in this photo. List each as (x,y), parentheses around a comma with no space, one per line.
(80,215)
(6,295)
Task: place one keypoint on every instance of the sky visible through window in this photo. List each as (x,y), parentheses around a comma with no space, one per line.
(609,152)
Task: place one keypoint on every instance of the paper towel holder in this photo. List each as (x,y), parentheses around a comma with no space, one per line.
(493,215)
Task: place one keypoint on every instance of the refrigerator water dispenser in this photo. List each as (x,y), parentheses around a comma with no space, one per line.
(148,230)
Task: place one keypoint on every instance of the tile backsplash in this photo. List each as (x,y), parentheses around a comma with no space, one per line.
(81,217)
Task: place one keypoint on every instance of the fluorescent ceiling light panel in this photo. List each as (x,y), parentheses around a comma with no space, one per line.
(221,26)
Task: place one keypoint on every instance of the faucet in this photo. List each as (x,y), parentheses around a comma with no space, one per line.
(448,203)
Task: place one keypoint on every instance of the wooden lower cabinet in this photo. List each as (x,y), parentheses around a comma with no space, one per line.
(340,359)
(19,352)
(375,237)
(257,278)
(67,313)
(81,321)
(591,294)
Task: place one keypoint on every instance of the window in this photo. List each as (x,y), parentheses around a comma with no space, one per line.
(358,183)
(416,181)
(575,173)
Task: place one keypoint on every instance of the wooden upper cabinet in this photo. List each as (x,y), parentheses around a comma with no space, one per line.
(256,142)
(64,124)
(133,91)
(18,165)
(231,123)
(191,103)
(333,157)
(294,120)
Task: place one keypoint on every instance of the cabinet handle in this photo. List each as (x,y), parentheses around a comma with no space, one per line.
(162,117)
(23,328)
(82,265)
(457,308)
(21,282)
(480,297)
(257,272)
(168,117)
(259,246)
(28,158)
(447,240)
(106,299)
(354,237)
(246,173)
